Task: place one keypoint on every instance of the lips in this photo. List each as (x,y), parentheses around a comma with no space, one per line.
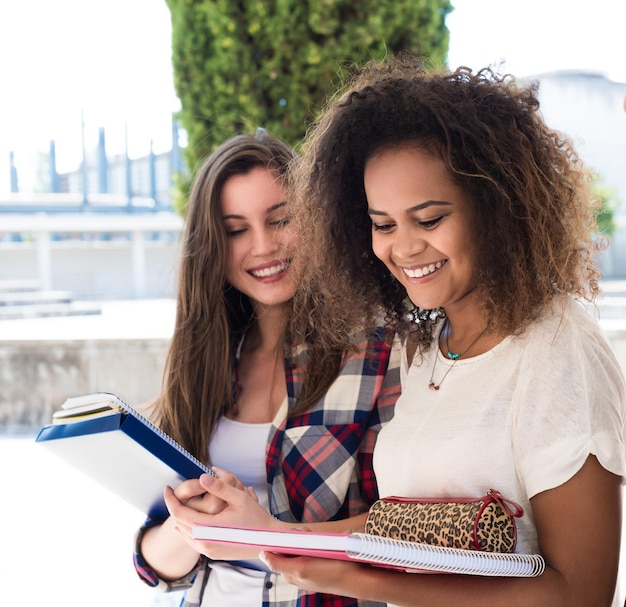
(270,270)
(424,270)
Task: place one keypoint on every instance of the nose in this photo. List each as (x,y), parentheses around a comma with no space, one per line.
(264,242)
(407,243)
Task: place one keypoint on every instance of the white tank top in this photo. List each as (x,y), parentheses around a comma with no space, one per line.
(239,448)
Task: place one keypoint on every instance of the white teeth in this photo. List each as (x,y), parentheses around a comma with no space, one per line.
(271,271)
(419,272)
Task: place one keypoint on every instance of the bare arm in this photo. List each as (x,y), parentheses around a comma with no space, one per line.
(166,551)
(579,531)
(164,548)
(168,548)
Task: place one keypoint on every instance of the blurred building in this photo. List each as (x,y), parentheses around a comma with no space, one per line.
(591,110)
(586,106)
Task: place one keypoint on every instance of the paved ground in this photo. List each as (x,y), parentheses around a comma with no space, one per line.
(64,539)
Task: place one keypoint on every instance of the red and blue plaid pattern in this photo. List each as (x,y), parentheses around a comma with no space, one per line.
(319,463)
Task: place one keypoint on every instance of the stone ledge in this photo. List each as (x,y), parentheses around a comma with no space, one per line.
(49,309)
(37,376)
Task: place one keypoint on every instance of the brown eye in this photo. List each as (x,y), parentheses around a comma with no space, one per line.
(386,227)
(431,223)
(279,223)
(233,231)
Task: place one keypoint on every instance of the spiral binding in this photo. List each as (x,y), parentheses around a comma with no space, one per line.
(401,553)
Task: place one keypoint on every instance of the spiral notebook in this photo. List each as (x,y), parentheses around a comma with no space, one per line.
(115,445)
(376,550)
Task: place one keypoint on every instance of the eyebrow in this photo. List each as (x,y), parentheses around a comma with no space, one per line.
(274,207)
(417,207)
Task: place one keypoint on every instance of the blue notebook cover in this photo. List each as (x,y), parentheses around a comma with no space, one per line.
(125,453)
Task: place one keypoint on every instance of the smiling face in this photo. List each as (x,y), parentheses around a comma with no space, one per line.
(261,239)
(420,226)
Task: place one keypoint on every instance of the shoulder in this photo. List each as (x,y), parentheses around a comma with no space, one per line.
(565,320)
(569,341)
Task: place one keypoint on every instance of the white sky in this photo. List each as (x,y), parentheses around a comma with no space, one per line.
(534,36)
(111,60)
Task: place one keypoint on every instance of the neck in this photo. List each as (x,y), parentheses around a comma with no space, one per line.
(464,330)
(268,331)
(465,316)
(466,333)
(456,333)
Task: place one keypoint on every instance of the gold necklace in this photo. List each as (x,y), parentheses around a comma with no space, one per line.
(431,384)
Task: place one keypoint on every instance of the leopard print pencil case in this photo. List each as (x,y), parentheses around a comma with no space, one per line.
(486,523)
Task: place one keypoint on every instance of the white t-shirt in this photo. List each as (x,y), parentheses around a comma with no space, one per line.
(521,418)
(239,448)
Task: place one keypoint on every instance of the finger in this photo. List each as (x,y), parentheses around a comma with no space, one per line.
(221,489)
(188,489)
(228,477)
(252,493)
(291,568)
(182,514)
(210,504)
(171,501)
(206,503)
(268,559)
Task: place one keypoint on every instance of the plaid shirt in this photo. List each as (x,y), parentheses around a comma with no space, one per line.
(319,463)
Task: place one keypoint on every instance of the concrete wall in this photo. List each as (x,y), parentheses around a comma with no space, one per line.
(96,256)
(37,376)
(96,271)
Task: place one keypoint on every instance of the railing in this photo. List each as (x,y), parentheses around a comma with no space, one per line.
(150,176)
(76,203)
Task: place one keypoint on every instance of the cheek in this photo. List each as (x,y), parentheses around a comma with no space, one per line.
(461,249)
(379,248)
(290,238)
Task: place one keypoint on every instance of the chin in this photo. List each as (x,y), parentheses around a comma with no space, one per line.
(425,304)
(278,300)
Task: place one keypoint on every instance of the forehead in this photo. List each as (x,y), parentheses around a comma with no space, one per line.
(406,169)
(407,152)
(254,191)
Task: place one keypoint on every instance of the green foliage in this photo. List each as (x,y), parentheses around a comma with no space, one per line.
(271,63)
(181,188)
(609,203)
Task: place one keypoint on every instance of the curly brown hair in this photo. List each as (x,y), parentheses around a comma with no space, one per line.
(533,214)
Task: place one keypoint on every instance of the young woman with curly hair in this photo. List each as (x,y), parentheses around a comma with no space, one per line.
(442,201)
(233,390)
